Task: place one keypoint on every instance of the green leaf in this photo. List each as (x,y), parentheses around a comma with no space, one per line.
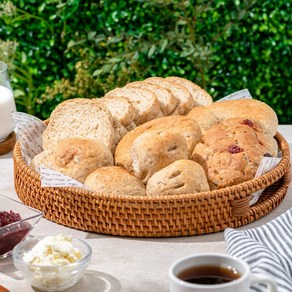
(151,51)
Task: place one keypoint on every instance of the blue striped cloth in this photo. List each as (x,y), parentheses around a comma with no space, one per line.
(267,249)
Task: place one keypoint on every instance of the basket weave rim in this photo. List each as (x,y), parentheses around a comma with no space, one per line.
(260,182)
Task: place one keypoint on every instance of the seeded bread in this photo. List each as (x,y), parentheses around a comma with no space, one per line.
(185,100)
(188,128)
(80,118)
(247,108)
(164,96)
(114,180)
(180,177)
(201,97)
(75,158)
(231,151)
(121,109)
(153,150)
(143,100)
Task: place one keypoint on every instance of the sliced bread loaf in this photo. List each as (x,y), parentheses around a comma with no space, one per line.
(164,96)
(185,100)
(121,109)
(142,99)
(201,97)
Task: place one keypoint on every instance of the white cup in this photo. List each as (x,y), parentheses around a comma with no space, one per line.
(241,284)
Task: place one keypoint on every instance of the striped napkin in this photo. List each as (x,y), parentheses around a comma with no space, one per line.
(267,249)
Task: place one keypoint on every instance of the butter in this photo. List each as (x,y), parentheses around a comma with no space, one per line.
(53,251)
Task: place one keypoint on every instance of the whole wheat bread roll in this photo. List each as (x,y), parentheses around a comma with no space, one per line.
(180,177)
(74,157)
(187,127)
(114,180)
(80,118)
(154,150)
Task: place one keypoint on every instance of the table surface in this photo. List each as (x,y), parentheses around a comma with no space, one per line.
(123,263)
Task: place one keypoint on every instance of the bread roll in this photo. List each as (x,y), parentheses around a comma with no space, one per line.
(75,157)
(231,151)
(249,109)
(180,177)
(154,150)
(187,127)
(204,117)
(114,180)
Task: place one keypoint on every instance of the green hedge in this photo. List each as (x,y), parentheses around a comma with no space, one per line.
(85,48)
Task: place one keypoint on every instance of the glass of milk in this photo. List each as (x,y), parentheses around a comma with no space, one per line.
(7,104)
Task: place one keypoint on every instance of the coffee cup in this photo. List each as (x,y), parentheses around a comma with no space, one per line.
(214,272)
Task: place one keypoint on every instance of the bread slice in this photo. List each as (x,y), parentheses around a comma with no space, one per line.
(187,127)
(80,118)
(114,180)
(180,177)
(121,109)
(185,100)
(154,150)
(165,97)
(142,99)
(200,96)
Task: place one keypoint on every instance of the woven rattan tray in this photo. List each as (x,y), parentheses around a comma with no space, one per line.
(164,216)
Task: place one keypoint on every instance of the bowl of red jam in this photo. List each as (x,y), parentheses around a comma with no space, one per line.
(16,222)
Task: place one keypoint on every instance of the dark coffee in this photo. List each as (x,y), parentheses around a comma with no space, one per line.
(209,275)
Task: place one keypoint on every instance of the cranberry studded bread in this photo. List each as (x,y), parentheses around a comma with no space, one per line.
(153,150)
(80,118)
(114,180)
(188,128)
(180,177)
(75,157)
(231,151)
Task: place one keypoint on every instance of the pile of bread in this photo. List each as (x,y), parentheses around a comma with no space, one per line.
(159,136)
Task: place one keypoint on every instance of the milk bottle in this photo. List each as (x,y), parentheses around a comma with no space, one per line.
(7,106)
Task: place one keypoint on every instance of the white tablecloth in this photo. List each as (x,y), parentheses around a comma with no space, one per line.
(124,264)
